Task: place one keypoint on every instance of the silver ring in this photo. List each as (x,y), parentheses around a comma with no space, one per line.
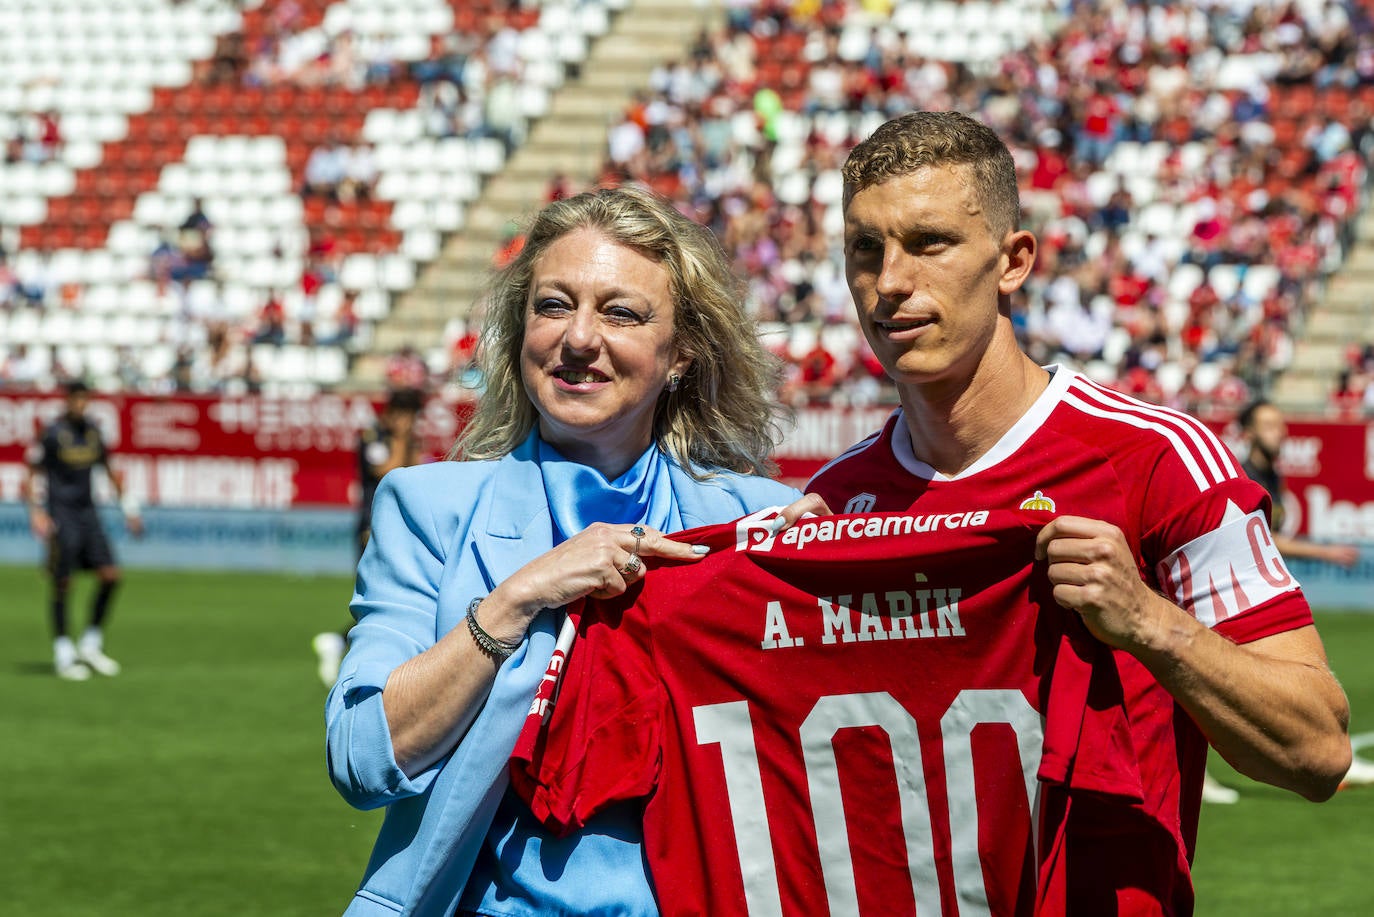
(638,532)
(632,565)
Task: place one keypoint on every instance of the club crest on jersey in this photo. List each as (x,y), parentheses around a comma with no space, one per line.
(754,532)
(1038,502)
(860,503)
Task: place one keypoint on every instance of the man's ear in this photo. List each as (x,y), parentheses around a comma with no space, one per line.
(1018,258)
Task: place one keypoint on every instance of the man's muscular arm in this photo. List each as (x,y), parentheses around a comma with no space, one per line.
(1272,708)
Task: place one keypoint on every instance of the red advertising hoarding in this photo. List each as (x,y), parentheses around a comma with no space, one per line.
(262,453)
(1329,468)
(207,451)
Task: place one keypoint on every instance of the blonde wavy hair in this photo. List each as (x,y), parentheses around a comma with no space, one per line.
(724,414)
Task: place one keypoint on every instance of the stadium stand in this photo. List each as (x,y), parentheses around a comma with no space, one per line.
(1192,187)
(1195,172)
(180,194)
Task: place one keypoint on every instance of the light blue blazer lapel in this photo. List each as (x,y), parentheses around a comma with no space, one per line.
(697,505)
(511,527)
(512,517)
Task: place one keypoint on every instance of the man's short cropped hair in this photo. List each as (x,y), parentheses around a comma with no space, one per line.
(923,139)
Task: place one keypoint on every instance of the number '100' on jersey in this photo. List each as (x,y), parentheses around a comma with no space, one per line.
(856,718)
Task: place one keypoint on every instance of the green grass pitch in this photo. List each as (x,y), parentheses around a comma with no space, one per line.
(194,783)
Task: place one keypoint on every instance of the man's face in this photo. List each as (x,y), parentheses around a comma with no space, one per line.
(925,270)
(1267,430)
(399,420)
(76,404)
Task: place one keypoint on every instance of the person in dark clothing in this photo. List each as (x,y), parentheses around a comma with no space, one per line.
(66,455)
(388,444)
(1264,430)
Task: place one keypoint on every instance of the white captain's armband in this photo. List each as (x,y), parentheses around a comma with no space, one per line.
(1228,571)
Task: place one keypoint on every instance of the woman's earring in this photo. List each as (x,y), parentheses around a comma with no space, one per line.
(674,380)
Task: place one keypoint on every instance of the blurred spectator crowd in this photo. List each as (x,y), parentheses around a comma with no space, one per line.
(1193,171)
(231,284)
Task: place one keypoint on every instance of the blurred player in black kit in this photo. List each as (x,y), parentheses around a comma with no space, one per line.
(70,447)
(388,444)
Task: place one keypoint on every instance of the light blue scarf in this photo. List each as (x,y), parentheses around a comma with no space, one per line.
(579,495)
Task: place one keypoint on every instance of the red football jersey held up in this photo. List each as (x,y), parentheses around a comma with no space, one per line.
(847,718)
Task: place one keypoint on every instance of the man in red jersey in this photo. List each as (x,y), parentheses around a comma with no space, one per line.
(1159,541)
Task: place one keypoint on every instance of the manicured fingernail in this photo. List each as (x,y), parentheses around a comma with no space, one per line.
(701,549)
(777,525)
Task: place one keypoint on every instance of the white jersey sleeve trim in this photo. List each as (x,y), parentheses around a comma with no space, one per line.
(1218,458)
(1207,461)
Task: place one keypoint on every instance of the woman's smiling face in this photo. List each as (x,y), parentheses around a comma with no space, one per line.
(598,348)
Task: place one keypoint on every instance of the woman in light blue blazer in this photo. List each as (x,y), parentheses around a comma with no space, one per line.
(627,395)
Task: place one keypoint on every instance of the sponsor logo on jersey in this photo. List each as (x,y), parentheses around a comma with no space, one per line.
(547,693)
(1038,502)
(755,531)
(754,534)
(860,503)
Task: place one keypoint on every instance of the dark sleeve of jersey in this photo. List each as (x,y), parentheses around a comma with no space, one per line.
(45,450)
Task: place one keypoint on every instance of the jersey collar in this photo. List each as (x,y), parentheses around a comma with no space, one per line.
(1005,447)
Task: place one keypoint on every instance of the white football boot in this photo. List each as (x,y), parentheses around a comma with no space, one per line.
(329,648)
(1217,792)
(91,651)
(65,662)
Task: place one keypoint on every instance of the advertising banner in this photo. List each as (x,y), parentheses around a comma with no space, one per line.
(297,541)
(1329,469)
(276,479)
(207,452)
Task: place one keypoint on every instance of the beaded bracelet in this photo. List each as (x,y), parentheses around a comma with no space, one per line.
(497,649)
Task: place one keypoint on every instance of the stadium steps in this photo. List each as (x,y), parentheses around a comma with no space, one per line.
(107,191)
(1344,318)
(570,138)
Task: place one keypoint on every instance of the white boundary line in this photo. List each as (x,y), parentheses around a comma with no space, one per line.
(1361,771)
(1362,740)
